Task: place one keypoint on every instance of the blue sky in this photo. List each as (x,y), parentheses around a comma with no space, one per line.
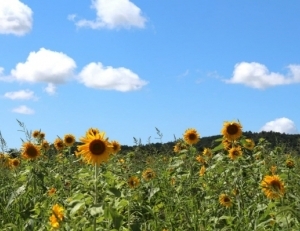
(126,67)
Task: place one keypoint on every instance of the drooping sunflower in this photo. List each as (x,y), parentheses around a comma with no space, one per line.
(116,146)
(235,152)
(232,130)
(133,182)
(200,159)
(69,140)
(273,187)
(249,144)
(35,134)
(96,148)
(227,144)
(58,211)
(179,146)
(45,145)
(290,163)
(202,170)
(54,221)
(30,151)
(207,152)
(59,144)
(225,200)
(148,174)
(191,136)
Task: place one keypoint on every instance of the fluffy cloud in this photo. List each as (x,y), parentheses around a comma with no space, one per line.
(257,75)
(282,125)
(113,14)
(23,110)
(22,94)
(15,17)
(45,66)
(95,75)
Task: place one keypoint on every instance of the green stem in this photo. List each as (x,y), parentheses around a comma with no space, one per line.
(96,193)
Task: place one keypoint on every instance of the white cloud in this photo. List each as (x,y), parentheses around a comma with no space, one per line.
(45,66)
(50,89)
(15,17)
(95,75)
(22,94)
(23,110)
(282,125)
(113,14)
(257,75)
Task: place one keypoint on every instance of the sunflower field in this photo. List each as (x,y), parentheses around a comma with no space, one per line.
(89,184)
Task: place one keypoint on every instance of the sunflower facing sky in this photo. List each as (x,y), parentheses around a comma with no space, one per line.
(191,136)
(30,151)
(96,148)
(272,187)
(69,140)
(148,174)
(235,152)
(225,200)
(59,144)
(232,130)
(133,182)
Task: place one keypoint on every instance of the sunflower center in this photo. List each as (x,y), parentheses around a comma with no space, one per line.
(275,185)
(192,136)
(226,200)
(235,153)
(232,129)
(69,140)
(97,147)
(31,151)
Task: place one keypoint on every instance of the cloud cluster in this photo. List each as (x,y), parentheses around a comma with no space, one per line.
(282,125)
(257,75)
(113,14)
(53,68)
(15,17)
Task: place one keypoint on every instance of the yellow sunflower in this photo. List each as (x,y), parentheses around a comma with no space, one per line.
(59,144)
(69,140)
(225,200)
(227,144)
(200,159)
(14,162)
(272,187)
(232,130)
(179,146)
(148,174)
(116,146)
(92,131)
(235,152)
(133,182)
(42,135)
(30,151)
(191,136)
(51,191)
(35,134)
(249,144)
(273,169)
(58,211)
(96,148)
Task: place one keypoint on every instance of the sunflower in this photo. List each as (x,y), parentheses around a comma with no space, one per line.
(59,144)
(116,146)
(200,159)
(14,162)
(148,174)
(51,191)
(96,148)
(191,136)
(202,170)
(35,134)
(92,131)
(179,146)
(30,151)
(273,169)
(58,211)
(289,163)
(207,152)
(54,221)
(45,145)
(235,152)
(227,144)
(173,181)
(42,135)
(225,200)
(249,144)
(272,187)
(232,130)
(133,182)
(69,140)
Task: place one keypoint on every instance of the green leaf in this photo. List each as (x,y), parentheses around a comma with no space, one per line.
(117,218)
(15,194)
(218,148)
(115,192)
(75,209)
